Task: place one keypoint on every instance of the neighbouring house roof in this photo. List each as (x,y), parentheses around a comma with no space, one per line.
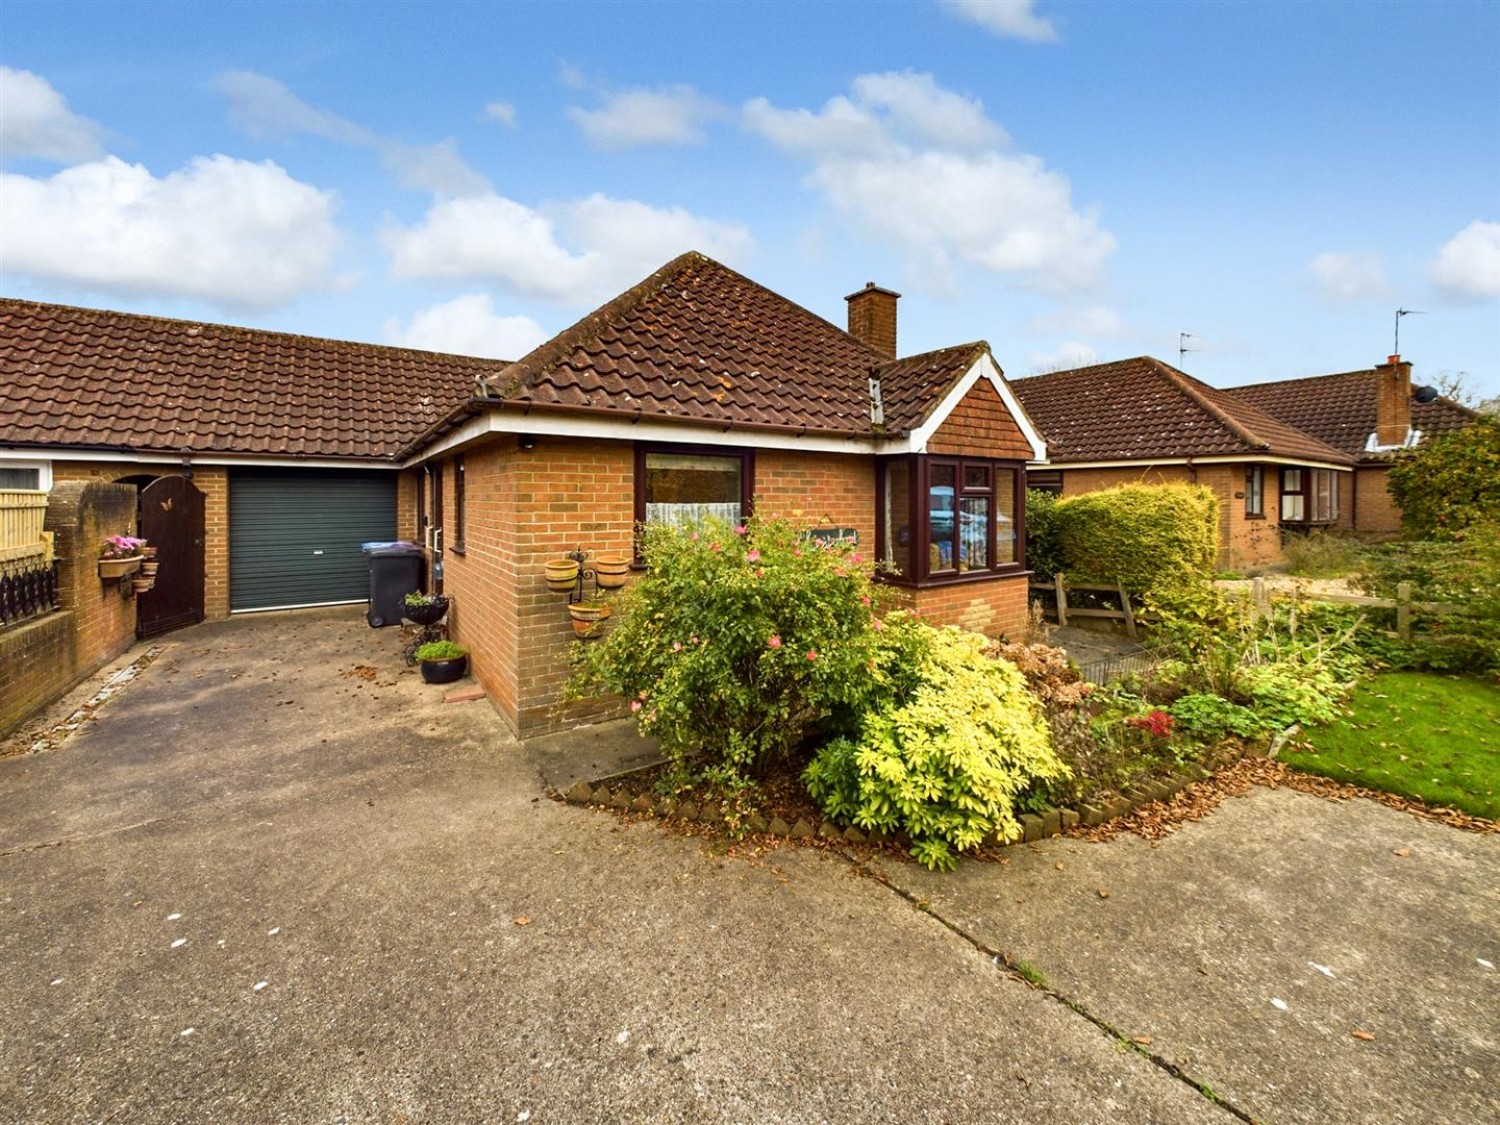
(698,343)
(1145,410)
(1340,410)
(98,380)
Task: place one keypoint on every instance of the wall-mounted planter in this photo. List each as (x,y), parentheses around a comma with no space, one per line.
(148,568)
(562,575)
(611,571)
(119,568)
(588,619)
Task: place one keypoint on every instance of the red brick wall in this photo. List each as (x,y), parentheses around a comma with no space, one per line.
(996,607)
(817,490)
(982,426)
(1376,511)
(45,658)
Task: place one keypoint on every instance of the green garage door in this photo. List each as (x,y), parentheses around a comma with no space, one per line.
(294,535)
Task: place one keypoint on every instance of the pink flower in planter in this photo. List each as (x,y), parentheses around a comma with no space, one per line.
(752,555)
(812,654)
(775,641)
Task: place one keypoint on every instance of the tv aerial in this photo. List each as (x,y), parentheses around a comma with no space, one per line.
(1396,344)
(1182,348)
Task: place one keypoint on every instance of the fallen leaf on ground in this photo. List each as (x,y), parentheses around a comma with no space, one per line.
(1143,1040)
(1367,1036)
(523,921)
(1403,852)
(1103,892)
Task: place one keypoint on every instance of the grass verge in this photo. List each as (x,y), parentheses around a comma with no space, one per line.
(1435,738)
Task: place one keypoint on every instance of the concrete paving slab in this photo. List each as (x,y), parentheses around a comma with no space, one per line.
(1250,947)
(438,942)
(591,753)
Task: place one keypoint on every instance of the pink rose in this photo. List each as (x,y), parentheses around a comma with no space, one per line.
(635,704)
(812,654)
(741,529)
(775,641)
(752,556)
(676,646)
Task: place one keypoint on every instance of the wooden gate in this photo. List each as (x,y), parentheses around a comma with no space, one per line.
(172,522)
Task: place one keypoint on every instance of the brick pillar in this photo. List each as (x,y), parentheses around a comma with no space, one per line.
(872,318)
(1393,402)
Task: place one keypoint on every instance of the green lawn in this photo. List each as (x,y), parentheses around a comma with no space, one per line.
(1433,737)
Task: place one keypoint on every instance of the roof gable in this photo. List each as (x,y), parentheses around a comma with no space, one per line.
(1144,409)
(90,378)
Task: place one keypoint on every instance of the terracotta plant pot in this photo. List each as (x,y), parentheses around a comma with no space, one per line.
(148,568)
(588,619)
(149,553)
(142,584)
(611,571)
(562,576)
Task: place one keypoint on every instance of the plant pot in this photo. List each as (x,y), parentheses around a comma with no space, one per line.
(119,568)
(141,585)
(148,568)
(611,571)
(562,576)
(443,671)
(425,615)
(148,553)
(588,619)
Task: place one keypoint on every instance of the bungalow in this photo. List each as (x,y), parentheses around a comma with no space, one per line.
(266,459)
(1144,420)
(263,459)
(700,392)
(1370,415)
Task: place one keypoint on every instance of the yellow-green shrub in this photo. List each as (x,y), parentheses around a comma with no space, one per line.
(1148,536)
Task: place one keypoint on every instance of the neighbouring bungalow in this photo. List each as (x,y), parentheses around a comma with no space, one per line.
(699,392)
(1371,416)
(1142,420)
(265,460)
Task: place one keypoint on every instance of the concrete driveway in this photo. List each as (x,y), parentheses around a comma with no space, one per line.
(279,880)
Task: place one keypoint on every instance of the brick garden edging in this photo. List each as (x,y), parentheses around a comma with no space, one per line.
(1032,826)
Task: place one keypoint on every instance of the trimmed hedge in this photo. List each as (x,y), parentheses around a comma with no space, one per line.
(1148,536)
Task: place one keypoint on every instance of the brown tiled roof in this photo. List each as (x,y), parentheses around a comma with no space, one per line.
(698,342)
(1340,409)
(1144,409)
(912,388)
(91,378)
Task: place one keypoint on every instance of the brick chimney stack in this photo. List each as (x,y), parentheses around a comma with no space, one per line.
(1393,402)
(872,318)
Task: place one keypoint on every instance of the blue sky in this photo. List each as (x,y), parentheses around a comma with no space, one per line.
(1069,181)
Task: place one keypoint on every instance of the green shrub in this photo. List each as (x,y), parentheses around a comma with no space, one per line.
(1321,554)
(440,650)
(1043,551)
(737,644)
(946,756)
(1150,537)
(1450,484)
(1463,572)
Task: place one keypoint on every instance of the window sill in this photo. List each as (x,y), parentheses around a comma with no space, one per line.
(964,578)
(1255,515)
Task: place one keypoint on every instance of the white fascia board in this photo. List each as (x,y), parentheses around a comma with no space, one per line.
(540,423)
(1216,459)
(195,460)
(984,368)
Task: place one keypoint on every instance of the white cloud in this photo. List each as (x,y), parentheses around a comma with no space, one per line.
(35,121)
(468,325)
(222,230)
(1066,357)
(1467,268)
(578,253)
(634,118)
(1090,320)
(572,76)
(264,107)
(1348,277)
(503,112)
(911,165)
(1011,19)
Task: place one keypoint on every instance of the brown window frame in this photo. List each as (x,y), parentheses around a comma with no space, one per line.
(919,467)
(745,455)
(1307,490)
(1255,492)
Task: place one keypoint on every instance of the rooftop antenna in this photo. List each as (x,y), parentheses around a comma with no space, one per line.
(1182,348)
(1396,348)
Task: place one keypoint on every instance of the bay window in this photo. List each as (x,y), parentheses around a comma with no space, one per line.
(949,518)
(1309,496)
